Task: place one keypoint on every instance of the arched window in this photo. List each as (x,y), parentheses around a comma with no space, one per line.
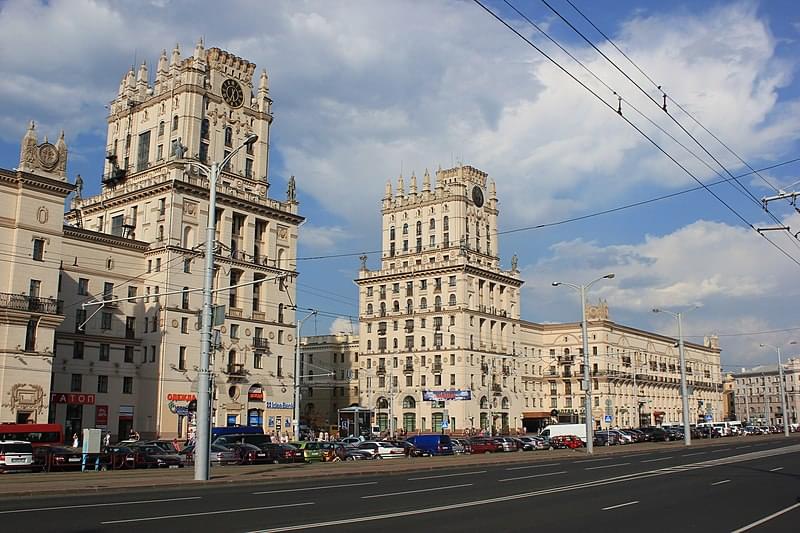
(484,402)
(281,253)
(419,228)
(452,340)
(161,128)
(383,403)
(369,309)
(228,137)
(204,127)
(437,303)
(185,298)
(188,237)
(452,299)
(231,360)
(391,233)
(383,308)
(423,303)
(409,306)
(394,343)
(446,223)
(505,403)
(175,123)
(396,306)
(432,223)
(409,402)
(405,229)
(409,421)
(566,351)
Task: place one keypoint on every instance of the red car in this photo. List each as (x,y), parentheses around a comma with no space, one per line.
(566,441)
(485,445)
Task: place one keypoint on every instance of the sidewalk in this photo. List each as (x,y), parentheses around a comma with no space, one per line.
(66,483)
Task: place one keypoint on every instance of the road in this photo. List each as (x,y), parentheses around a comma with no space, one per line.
(726,487)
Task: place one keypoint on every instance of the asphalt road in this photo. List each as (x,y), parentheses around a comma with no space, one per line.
(726,487)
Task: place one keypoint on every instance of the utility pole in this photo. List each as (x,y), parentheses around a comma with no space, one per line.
(296,406)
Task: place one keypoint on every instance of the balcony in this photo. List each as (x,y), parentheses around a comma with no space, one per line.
(260,343)
(436,367)
(497,389)
(381,371)
(408,368)
(485,368)
(235,370)
(21,302)
(506,370)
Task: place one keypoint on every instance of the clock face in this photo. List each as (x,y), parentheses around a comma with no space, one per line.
(477,196)
(232,93)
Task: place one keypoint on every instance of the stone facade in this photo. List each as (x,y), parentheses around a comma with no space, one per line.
(135,361)
(756,393)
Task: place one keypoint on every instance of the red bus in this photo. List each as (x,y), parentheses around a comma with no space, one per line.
(36,434)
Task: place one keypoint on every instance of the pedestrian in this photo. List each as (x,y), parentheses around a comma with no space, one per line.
(75,441)
(107,439)
(176,445)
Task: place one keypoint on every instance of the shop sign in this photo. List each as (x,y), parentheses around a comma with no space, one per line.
(126,412)
(255,394)
(72,398)
(100,415)
(177,397)
(280,405)
(443,395)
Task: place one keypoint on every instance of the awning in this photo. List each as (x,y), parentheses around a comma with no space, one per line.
(536,414)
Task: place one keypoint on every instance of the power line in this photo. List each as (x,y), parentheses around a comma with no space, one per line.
(639,130)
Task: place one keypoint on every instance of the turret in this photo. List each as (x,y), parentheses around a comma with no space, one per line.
(387,195)
(61,148)
(161,70)
(142,79)
(176,56)
(130,83)
(263,92)
(401,187)
(199,51)
(27,151)
(412,190)
(426,181)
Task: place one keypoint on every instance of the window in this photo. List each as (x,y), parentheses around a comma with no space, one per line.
(182,358)
(175,123)
(83,286)
(153,354)
(185,298)
(130,327)
(128,354)
(143,151)
(30,335)
(158,259)
(77,350)
(127,385)
(248,167)
(76,383)
(234,331)
(38,249)
(204,127)
(257,360)
(105,351)
(228,137)
(102,384)
(132,291)
(279,366)
(105,321)
(161,128)
(184,324)
(187,266)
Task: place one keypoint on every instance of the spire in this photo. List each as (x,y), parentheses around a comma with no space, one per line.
(122,84)
(263,82)
(61,147)
(161,69)
(492,190)
(27,151)
(387,195)
(401,186)
(426,181)
(142,77)
(413,188)
(199,50)
(130,82)
(176,55)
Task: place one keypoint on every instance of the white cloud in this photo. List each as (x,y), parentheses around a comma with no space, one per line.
(323,238)
(343,325)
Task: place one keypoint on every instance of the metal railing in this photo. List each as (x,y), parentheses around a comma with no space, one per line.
(22,302)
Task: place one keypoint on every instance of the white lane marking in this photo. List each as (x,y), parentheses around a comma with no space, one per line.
(532,476)
(776,469)
(415,491)
(526,495)
(447,475)
(743,447)
(594,460)
(206,513)
(659,459)
(721,482)
(605,466)
(532,466)
(111,504)
(316,488)
(766,519)
(620,505)
(721,450)
(691,454)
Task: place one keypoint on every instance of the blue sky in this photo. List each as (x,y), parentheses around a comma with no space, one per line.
(363,90)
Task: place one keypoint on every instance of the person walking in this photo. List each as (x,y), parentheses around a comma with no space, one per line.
(75,440)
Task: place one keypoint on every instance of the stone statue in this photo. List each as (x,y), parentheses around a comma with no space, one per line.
(363,259)
(180,149)
(28,148)
(514,262)
(78,186)
(291,190)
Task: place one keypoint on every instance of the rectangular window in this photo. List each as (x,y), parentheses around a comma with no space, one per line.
(30,335)
(132,291)
(102,384)
(182,358)
(83,286)
(257,360)
(143,154)
(248,168)
(77,350)
(184,325)
(105,321)
(279,366)
(75,383)
(116,225)
(108,290)
(187,266)
(105,352)
(127,385)
(158,264)
(130,327)
(128,354)
(38,249)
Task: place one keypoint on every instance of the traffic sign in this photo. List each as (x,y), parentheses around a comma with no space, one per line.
(445,424)
(608,419)
(709,418)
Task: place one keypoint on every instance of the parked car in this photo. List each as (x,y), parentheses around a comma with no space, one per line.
(382,449)
(485,445)
(604,438)
(507,444)
(57,458)
(256,439)
(409,448)
(351,441)
(536,443)
(622,437)
(155,457)
(433,444)
(282,453)
(249,454)
(654,434)
(566,441)
(311,450)
(461,446)
(217,455)
(16,456)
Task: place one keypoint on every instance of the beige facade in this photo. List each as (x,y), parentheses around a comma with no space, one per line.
(135,362)
(757,393)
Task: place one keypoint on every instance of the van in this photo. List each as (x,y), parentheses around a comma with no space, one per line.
(15,455)
(434,444)
(555,430)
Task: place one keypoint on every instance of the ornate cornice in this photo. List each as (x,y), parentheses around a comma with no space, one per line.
(104,238)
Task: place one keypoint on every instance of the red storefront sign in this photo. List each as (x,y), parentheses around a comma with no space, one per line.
(175,397)
(100,415)
(72,398)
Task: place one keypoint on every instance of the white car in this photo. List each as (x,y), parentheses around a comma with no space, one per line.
(15,455)
(382,450)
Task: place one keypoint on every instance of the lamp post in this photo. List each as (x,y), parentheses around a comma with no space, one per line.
(781,386)
(296,406)
(586,379)
(687,430)
(203,433)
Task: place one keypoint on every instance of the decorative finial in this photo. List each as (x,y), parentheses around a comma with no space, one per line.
(291,191)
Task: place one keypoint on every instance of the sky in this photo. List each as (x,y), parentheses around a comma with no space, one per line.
(366,90)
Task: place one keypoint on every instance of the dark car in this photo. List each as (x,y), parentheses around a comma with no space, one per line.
(249,454)
(57,458)
(654,434)
(604,438)
(410,449)
(433,443)
(150,456)
(485,445)
(282,453)
(256,439)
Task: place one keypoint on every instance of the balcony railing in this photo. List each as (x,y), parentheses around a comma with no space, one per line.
(437,367)
(408,367)
(381,370)
(496,388)
(235,369)
(21,302)
(260,343)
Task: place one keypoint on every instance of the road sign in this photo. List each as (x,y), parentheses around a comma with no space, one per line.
(445,424)
(709,418)
(608,419)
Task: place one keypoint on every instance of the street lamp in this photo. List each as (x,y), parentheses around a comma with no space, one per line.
(203,431)
(586,380)
(780,385)
(687,430)
(296,409)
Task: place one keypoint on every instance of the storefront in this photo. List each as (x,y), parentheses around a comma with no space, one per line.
(74,403)
(255,403)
